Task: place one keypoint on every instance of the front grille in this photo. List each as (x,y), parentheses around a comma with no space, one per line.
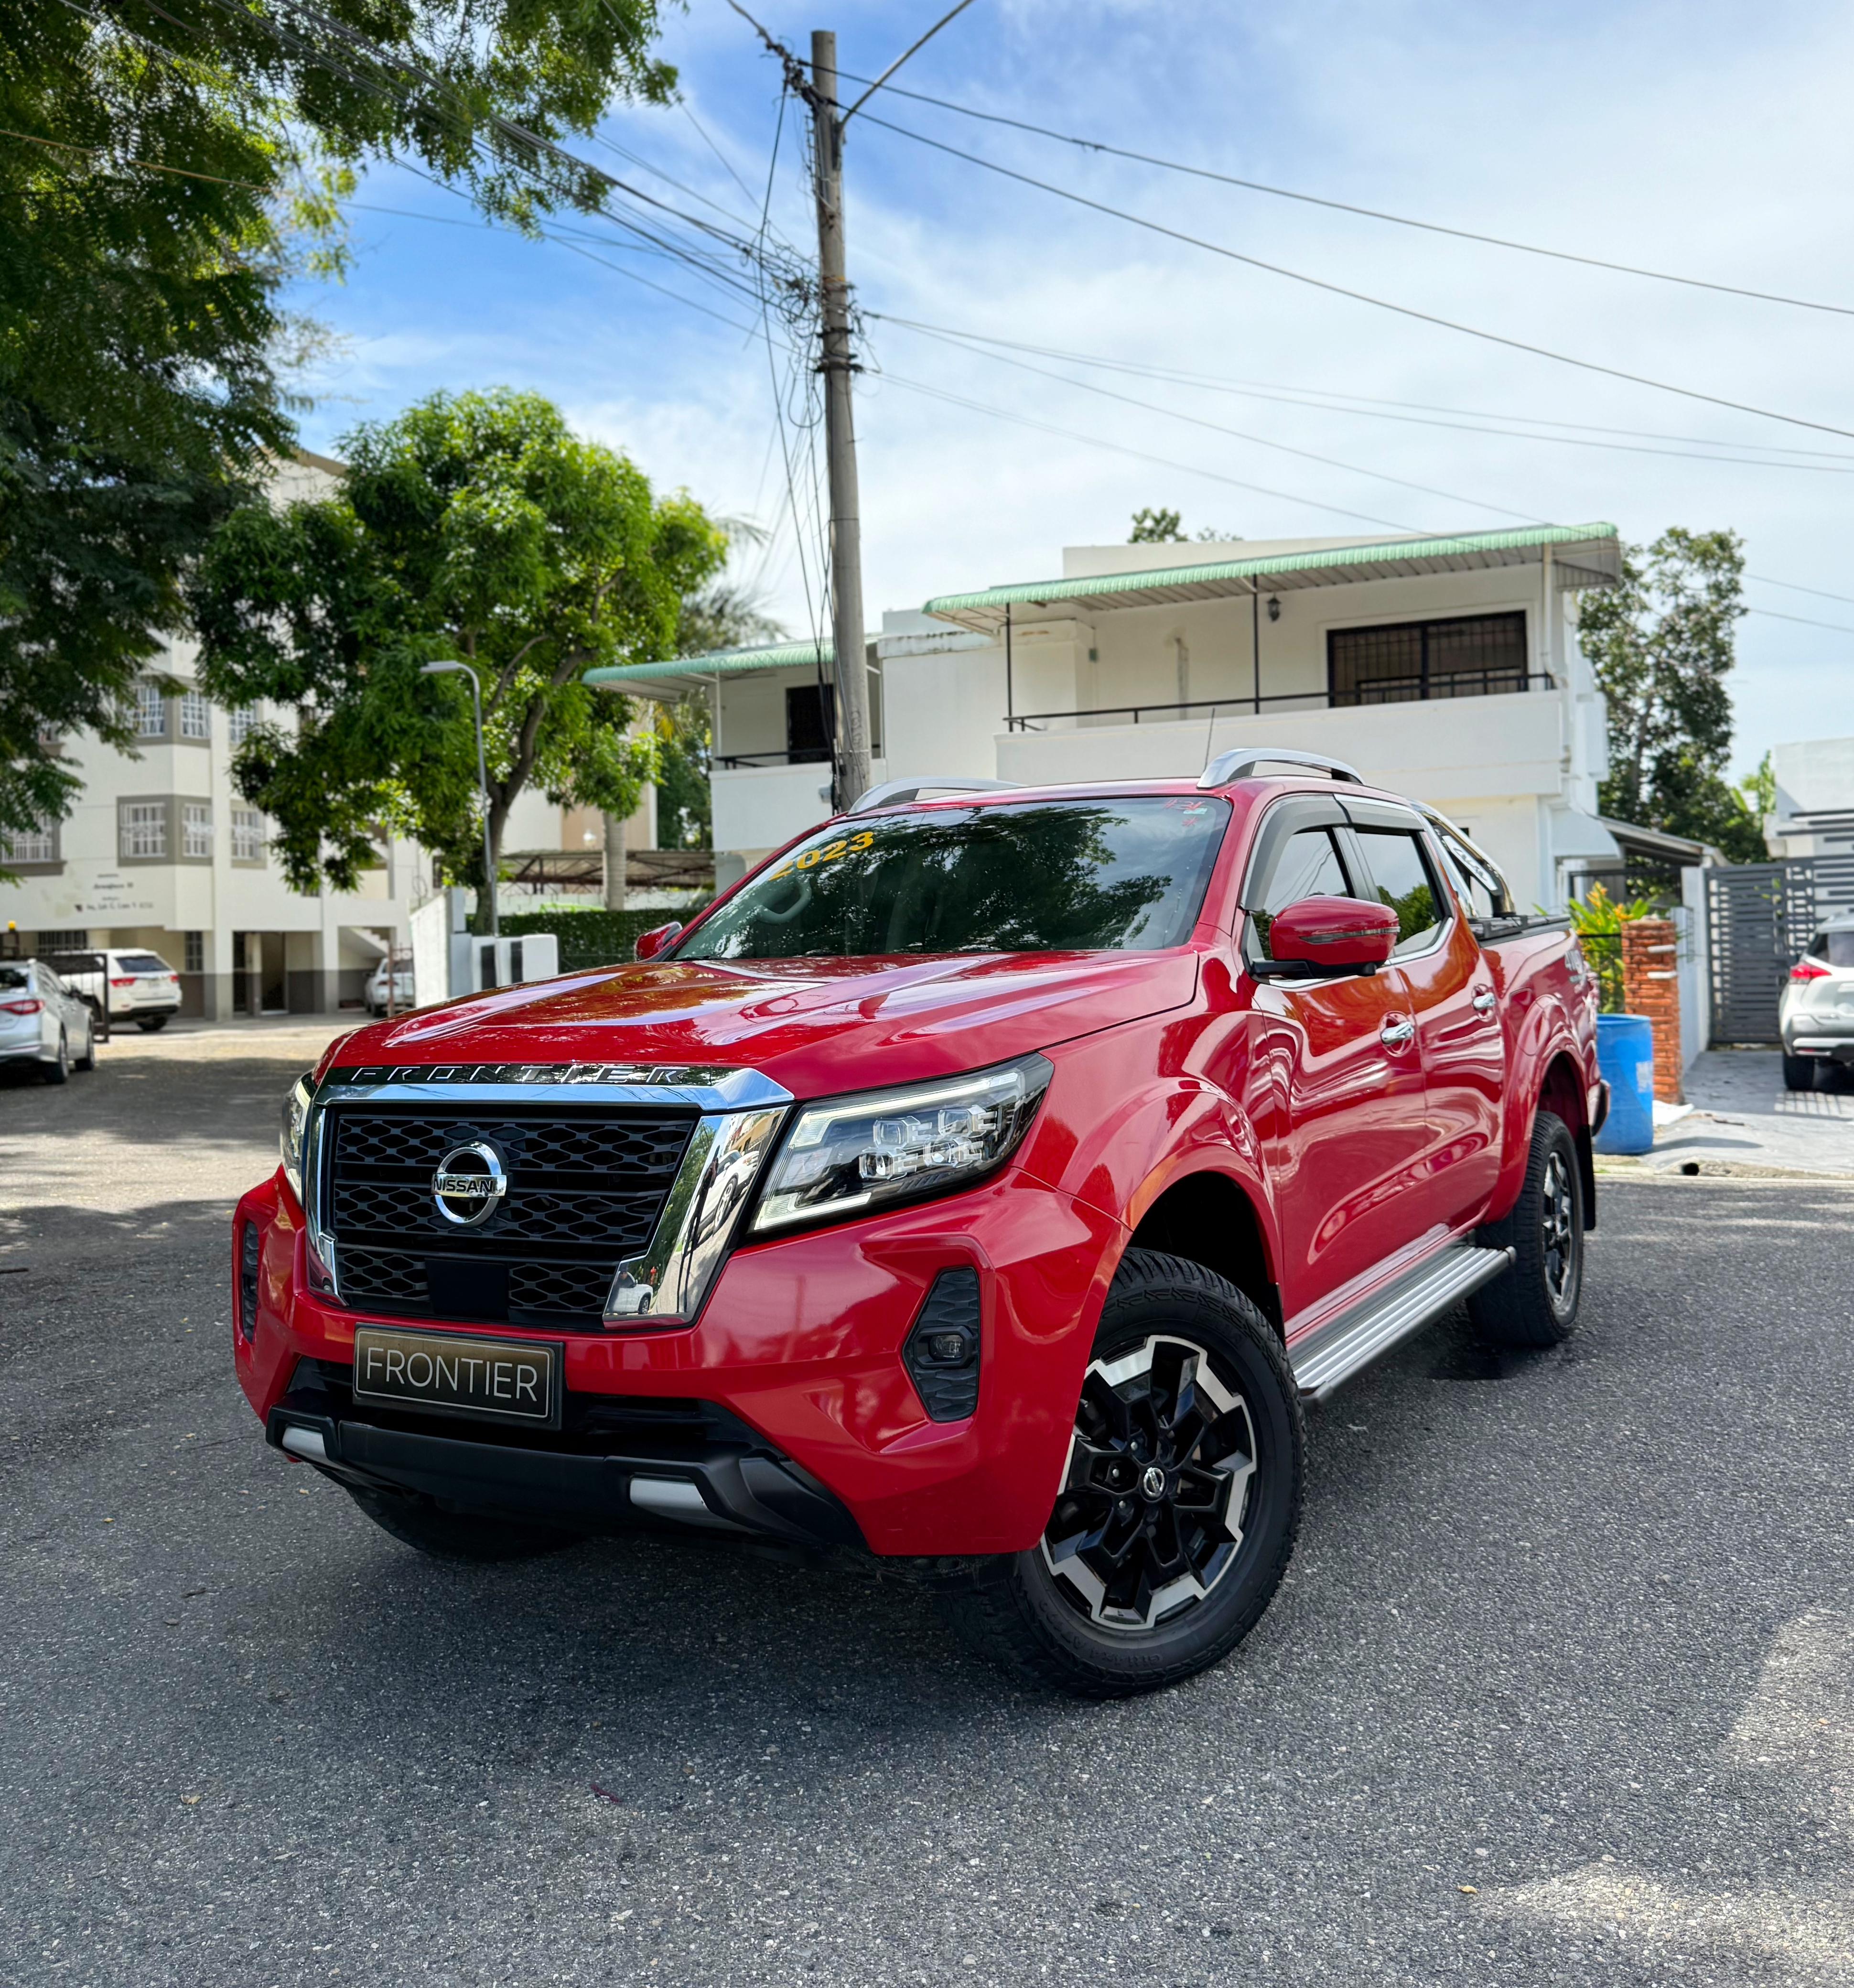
(585,1186)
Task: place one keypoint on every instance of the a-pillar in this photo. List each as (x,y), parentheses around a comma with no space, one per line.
(1651,986)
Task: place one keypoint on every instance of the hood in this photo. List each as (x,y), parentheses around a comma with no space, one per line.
(815,1025)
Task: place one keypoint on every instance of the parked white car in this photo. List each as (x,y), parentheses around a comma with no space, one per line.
(135,986)
(376,995)
(41,1021)
(1815,1016)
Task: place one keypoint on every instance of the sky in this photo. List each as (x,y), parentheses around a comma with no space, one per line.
(1699,140)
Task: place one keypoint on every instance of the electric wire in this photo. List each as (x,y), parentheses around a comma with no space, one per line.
(1369,213)
(1357,296)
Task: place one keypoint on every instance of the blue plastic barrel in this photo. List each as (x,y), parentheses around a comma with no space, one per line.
(1625,1055)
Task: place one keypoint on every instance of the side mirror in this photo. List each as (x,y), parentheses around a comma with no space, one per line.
(651,943)
(1328,935)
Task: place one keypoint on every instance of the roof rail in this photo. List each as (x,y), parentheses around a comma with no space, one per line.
(1238,765)
(891,791)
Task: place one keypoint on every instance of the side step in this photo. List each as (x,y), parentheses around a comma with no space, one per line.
(1337,1351)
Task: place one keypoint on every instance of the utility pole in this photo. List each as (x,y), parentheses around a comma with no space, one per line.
(850,670)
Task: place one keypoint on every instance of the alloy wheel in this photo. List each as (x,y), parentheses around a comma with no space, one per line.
(1557,1230)
(1150,1518)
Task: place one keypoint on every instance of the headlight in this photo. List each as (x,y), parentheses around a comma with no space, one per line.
(885,1146)
(295,1122)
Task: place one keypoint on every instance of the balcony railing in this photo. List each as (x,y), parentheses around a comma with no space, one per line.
(1493,682)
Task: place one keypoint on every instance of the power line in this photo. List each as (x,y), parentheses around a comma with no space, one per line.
(1357,296)
(1790,585)
(1770,614)
(1322,401)
(1139,455)
(1368,213)
(1217,428)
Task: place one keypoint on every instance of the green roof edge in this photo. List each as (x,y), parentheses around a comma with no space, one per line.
(772,656)
(1374,553)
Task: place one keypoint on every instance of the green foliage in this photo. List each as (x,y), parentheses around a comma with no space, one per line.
(1760,791)
(1598,920)
(1157,527)
(590,938)
(685,802)
(1661,645)
(164,169)
(474,527)
(1600,912)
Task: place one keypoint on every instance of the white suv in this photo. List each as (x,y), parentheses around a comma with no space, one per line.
(1816,1016)
(136,986)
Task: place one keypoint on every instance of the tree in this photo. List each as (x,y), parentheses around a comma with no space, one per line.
(476,527)
(163,168)
(1155,527)
(1661,645)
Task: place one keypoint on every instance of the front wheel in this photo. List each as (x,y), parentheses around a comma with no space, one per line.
(1534,1303)
(1179,1504)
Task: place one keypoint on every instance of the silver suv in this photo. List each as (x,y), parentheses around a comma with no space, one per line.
(1816,1016)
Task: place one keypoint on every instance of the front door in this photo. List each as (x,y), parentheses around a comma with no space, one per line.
(1457,1011)
(1335,1091)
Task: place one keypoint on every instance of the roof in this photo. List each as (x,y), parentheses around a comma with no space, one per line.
(1583,555)
(686,673)
(1652,842)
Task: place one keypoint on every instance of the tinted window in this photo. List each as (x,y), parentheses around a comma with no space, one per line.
(1308,866)
(1046,877)
(14,977)
(1841,948)
(142,962)
(1403,882)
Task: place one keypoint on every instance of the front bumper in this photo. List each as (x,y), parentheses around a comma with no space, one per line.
(797,1352)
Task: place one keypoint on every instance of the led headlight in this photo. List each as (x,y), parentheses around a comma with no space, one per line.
(885,1146)
(296,1123)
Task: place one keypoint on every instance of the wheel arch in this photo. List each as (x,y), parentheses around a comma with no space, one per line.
(1209,1217)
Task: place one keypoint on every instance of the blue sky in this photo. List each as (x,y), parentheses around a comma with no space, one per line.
(1698,139)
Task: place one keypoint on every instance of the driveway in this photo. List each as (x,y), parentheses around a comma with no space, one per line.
(1560,1688)
(1744,1122)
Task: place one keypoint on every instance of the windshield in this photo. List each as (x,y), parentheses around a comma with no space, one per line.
(1043,876)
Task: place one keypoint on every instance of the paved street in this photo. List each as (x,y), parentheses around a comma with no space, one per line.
(1561,1687)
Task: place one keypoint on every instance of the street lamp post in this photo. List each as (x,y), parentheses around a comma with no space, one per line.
(482,775)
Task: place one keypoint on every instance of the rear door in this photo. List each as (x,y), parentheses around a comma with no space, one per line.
(1335,1080)
(1456,1007)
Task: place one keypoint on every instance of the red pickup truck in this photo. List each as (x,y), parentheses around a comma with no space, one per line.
(983,1184)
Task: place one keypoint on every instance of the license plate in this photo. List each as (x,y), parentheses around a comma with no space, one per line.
(448,1374)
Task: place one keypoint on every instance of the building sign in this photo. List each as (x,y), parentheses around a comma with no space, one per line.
(109,894)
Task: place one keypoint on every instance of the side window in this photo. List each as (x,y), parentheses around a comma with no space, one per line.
(1819,946)
(1476,899)
(1404,883)
(1308,866)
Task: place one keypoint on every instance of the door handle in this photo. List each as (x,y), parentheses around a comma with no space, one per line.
(1397,1032)
(1485,1000)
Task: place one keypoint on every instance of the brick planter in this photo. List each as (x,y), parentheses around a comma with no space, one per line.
(1651,987)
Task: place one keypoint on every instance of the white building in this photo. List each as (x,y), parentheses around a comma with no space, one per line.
(1145,660)
(1814,811)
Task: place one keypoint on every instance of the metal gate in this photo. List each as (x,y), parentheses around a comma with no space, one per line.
(1759,917)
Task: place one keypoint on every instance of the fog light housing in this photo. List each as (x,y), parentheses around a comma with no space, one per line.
(942,1352)
(250,1243)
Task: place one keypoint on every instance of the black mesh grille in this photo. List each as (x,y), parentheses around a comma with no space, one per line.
(584,1189)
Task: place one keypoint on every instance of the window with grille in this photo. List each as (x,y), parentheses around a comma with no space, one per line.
(193,952)
(150,712)
(239,724)
(30,845)
(196,828)
(77,941)
(144,830)
(196,715)
(247,836)
(1405,662)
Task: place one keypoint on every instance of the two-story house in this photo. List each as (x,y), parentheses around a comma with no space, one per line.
(1447,668)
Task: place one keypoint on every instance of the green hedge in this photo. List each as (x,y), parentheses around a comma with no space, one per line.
(590,937)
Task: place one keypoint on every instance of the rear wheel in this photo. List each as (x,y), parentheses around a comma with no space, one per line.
(1179,1505)
(418,1523)
(1536,1302)
(88,1060)
(1799,1073)
(59,1070)
(148,1023)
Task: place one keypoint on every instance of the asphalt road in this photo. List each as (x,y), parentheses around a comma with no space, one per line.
(1561,1687)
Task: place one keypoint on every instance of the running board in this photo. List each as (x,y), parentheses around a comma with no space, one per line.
(1330,1357)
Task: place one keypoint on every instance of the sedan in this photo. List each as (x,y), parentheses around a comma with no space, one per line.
(41,1021)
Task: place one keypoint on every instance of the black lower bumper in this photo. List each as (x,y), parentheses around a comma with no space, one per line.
(718,1487)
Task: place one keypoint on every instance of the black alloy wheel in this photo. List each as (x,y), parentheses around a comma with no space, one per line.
(1534,1303)
(1179,1503)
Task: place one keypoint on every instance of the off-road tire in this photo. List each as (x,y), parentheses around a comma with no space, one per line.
(1015,1610)
(59,1071)
(426,1527)
(1799,1073)
(1534,1302)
